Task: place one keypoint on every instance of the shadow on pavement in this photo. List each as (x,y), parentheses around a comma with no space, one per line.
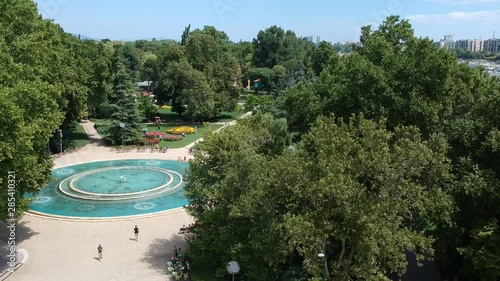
(161,251)
(23,232)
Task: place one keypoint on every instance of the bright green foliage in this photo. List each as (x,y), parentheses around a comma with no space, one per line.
(273,46)
(189,89)
(146,107)
(371,195)
(368,192)
(41,86)
(208,51)
(408,81)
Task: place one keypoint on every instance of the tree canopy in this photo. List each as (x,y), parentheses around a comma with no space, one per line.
(393,148)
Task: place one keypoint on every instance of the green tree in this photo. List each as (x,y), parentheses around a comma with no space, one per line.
(355,191)
(185,35)
(123,105)
(33,98)
(208,51)
(321,56)
(266,76)
(370,196)
(146,107)
(269,47)
(189,90)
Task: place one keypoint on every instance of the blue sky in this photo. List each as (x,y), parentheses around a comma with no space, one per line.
(242,19)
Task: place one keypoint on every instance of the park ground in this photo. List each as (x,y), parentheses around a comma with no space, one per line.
(58,249)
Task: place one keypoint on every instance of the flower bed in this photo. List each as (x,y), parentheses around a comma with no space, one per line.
(172,138)
(180,130)
(150,141)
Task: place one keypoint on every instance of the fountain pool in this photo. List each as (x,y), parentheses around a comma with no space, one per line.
(112,189)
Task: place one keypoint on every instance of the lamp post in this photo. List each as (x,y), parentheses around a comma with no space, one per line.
(60,140)
(233,267)
(122,125)
(195,138)
(322,256)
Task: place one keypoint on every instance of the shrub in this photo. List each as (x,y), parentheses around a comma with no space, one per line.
(172,138)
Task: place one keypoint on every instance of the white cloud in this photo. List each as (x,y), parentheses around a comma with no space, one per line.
(464,2)
(482,17)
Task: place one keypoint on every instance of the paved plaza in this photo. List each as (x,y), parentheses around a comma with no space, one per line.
(62,250)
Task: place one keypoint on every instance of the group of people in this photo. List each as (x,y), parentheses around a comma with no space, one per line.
(179,259)
(182,160)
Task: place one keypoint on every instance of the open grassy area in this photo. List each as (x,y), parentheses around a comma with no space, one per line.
(103,126)
(74,137)
(202,129)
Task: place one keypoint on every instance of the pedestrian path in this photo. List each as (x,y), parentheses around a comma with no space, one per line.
(67,250)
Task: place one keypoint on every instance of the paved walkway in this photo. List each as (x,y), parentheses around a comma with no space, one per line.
(67,250)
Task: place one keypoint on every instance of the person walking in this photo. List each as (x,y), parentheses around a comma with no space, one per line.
(185,270)
(99,252)
(136,232)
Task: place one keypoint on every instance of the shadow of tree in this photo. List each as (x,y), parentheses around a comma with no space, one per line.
(23,231)
(161,250)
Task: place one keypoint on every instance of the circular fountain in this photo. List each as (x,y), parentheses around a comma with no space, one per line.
(112,189)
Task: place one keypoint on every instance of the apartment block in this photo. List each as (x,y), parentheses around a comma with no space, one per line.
(470,45)
(492,45)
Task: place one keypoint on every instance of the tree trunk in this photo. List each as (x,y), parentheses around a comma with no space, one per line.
(342,252)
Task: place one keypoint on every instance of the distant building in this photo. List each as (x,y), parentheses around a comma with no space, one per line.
(470,45)
(492,45)
(446,43)
(314,39)
(145,88)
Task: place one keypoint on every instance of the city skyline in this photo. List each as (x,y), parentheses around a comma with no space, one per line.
(242,20)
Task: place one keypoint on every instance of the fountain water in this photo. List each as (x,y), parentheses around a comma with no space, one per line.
(91,190)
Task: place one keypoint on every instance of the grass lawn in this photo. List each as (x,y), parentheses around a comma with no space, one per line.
(202,129)
(227,116)
(103,126)
(74,137)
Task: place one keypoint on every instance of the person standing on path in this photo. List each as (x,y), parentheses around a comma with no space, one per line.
(99,252)
(136,232)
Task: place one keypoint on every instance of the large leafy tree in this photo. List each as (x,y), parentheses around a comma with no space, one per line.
(370,196)
(408,81)
(355,191)
(208,51)
(321,56)
(190,92)
(274,45)
(40,88)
